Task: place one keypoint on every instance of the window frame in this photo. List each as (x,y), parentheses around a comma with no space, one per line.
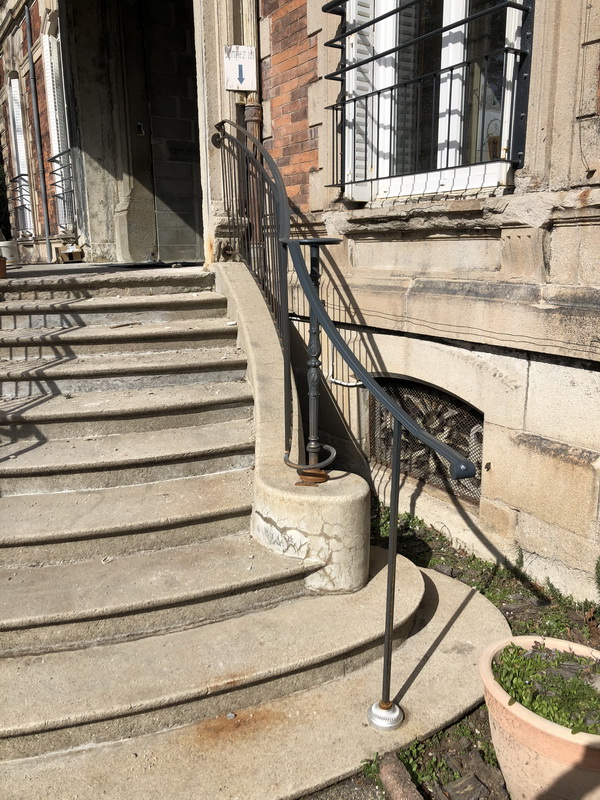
(20,160)
(358,112)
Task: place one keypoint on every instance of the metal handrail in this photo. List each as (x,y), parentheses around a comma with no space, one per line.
(460,467)
(247,206)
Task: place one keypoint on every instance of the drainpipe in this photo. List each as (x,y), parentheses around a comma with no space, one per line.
(252,107)
(38,136)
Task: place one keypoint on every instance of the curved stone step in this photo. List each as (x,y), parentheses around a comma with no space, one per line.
(70,375)
(78,604)
(107,310)
(31,467)
(123,337)
(106,412)
(70,526)
(434,672)
(104,281)
(112,691)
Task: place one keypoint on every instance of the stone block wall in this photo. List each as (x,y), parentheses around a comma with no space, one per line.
(492,295)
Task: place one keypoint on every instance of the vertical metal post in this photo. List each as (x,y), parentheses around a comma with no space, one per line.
(313,376)
(386,714)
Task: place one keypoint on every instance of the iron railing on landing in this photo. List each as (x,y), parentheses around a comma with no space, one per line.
(62,183)
(20,189)
(258,232)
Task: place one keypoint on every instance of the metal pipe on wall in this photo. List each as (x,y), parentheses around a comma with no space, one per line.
(38,135)
(252,107)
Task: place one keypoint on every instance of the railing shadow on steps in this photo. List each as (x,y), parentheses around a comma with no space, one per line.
(258,231)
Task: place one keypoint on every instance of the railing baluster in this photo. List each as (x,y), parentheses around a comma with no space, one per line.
(386,714)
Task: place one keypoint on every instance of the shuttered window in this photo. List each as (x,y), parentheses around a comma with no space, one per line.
(20,186)
(62,180)
(429,90)
(57,121)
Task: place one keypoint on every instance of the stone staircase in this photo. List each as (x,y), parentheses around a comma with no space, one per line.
(132,597)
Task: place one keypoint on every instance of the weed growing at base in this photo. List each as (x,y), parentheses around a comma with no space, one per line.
(550,612)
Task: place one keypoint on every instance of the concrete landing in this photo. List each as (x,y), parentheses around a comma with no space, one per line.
(285,748)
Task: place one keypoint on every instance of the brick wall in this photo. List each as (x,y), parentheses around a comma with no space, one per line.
(286,75)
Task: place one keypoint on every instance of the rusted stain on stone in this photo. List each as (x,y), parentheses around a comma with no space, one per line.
(247,723)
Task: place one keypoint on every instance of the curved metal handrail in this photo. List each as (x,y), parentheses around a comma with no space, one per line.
(460,467)
(268,262)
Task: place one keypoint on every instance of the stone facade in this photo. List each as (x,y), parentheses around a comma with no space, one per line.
(491,295)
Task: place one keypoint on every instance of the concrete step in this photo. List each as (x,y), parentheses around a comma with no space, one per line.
(124,337)
(286,748)
(31,467)
(85,281)
(106,412)
(107,310)
(74,526)
(79,604)
(112,691)
(70,375)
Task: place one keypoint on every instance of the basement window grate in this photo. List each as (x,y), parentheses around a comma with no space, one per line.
(454,422)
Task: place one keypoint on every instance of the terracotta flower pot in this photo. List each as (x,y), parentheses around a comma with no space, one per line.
(539,759)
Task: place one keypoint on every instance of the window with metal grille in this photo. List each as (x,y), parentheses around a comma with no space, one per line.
(433,94)
(19,184)
(454,422)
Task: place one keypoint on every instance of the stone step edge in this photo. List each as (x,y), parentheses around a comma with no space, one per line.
(120,332)
(202,299)
(207,514)
(282,569)
(435,674)
(58,408)
(199,452)
(135,277)
(101,366)
(321,605)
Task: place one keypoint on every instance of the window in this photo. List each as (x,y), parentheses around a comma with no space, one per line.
(429,94)
(62,180)
(451,420)
(20,186)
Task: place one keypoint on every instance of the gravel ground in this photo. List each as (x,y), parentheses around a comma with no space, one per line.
(357,788)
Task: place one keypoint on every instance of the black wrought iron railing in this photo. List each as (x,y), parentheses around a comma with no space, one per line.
(421,94)
(257,230)
(62,185)
(20,190)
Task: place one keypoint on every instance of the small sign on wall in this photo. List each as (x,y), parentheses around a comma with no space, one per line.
(240,68)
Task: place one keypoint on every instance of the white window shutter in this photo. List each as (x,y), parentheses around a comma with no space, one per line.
(452,86)
(24,216)
(405,99)
(360,156)
(57,121)
(20,146)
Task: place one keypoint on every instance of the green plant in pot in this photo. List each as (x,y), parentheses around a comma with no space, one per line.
(544,709)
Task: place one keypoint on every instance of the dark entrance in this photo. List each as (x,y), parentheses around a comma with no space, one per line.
(134,116)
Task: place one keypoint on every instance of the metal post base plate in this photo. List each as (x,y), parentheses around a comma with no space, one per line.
(386,719)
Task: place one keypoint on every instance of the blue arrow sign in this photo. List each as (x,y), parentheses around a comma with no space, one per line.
(241,73)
